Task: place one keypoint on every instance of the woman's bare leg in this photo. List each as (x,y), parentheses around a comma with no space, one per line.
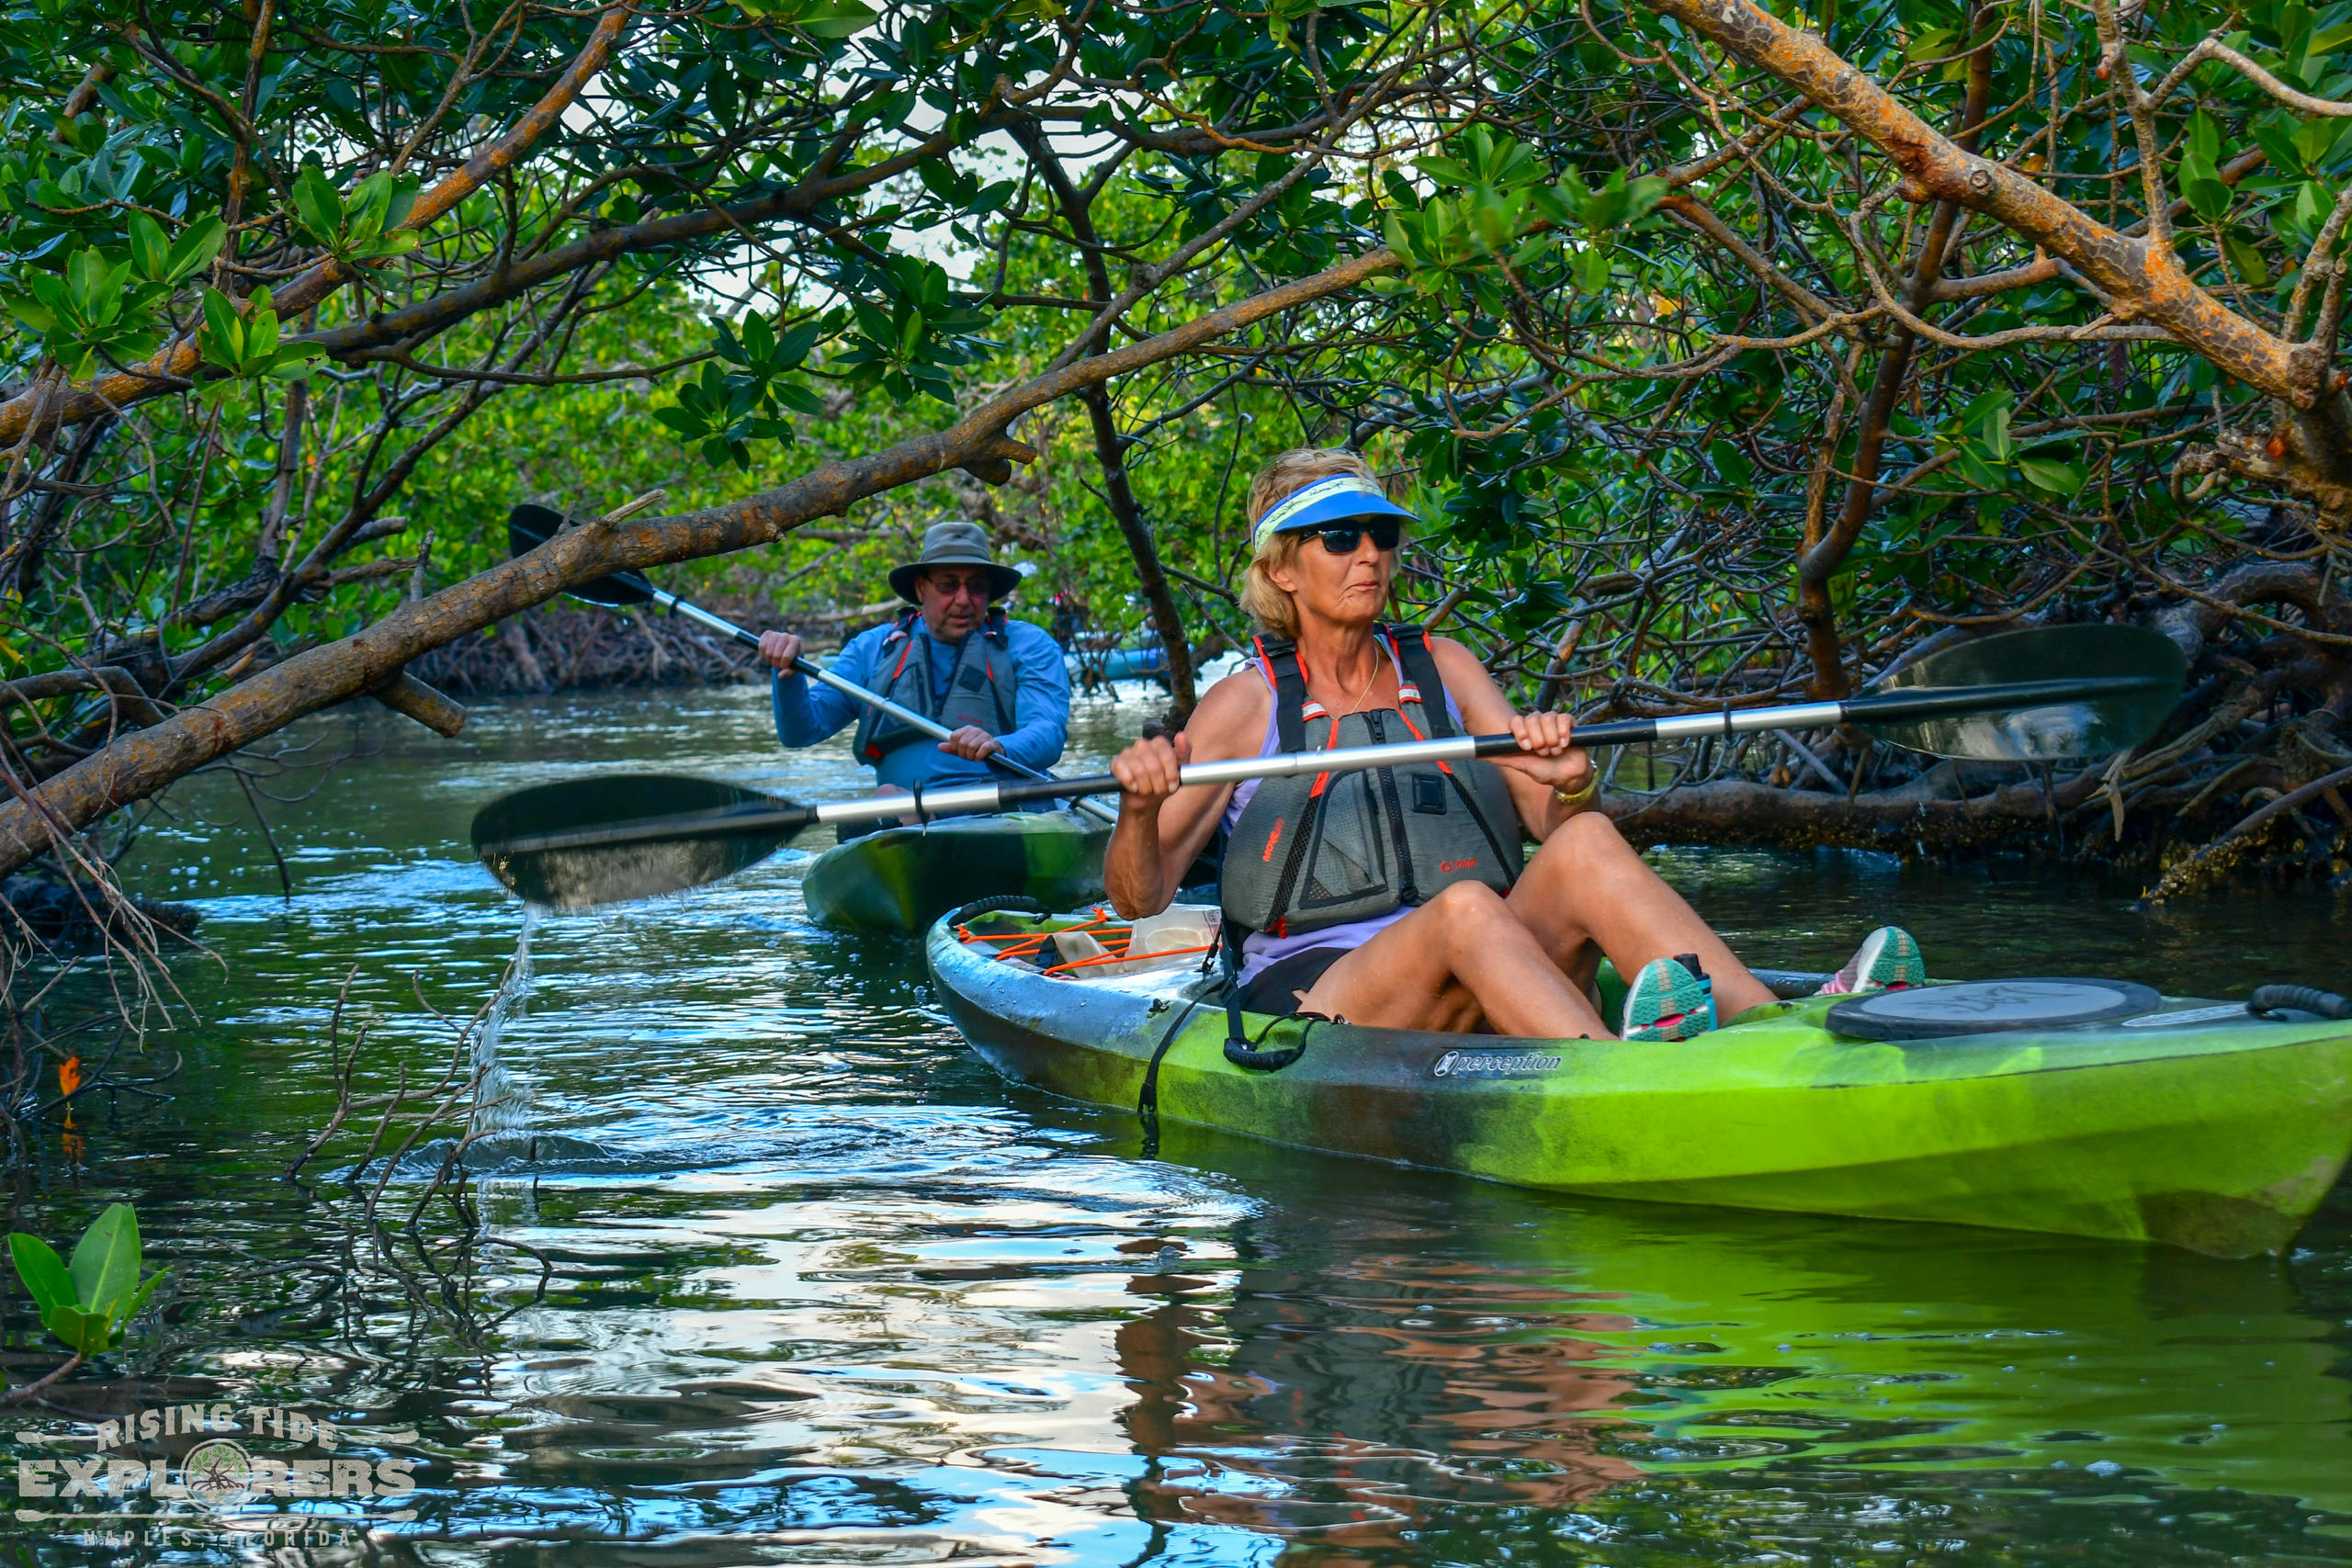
(1463,955)
(1587,887)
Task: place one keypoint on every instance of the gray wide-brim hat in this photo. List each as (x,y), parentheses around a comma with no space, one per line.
(954,544)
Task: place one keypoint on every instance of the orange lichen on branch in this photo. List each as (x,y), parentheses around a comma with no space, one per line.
(2136,279)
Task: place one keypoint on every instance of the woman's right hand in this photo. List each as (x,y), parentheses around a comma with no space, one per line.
(1147,771)
(781,651)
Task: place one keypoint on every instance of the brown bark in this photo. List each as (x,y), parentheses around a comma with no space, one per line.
(1927,815)
(141,763)
(2209,862)
(1702,218)
(81,100)
(21,556)
(517,644)
(405,693)
(240,168)
(1110,448)
(1166,619)
(272,543)
(1815,610)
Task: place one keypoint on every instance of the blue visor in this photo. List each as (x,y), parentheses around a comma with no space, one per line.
(1323,504)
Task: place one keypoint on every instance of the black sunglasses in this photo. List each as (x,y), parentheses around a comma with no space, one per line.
(1341,538)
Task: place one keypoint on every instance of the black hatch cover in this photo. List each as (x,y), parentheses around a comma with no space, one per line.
(1988,1007)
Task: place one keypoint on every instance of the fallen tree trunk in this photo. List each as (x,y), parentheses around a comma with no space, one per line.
(140,763)
(1929,815)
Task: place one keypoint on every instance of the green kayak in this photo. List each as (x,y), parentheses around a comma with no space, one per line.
(901,879)
(2197,1123)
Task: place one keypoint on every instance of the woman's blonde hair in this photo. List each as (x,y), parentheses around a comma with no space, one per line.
(1265,602)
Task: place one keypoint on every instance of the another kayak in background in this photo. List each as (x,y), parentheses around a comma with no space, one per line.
(1090,662)
(901,879)
(1089,670)
(2133,1116)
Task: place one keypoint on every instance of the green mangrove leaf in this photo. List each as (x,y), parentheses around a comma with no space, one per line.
(41,1269)
(105,1261)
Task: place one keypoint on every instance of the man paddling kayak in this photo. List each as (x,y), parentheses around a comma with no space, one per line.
(1397,898)
(954,657)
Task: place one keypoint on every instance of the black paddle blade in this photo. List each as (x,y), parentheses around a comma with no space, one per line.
(2095,727)
(695,844)
(528,527)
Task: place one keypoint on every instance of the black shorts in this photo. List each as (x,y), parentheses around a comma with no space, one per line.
(1270,991)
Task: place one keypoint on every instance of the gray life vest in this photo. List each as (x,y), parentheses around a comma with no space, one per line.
(983,690)
(1321,850)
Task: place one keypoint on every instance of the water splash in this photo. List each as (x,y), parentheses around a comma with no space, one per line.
(503,1099)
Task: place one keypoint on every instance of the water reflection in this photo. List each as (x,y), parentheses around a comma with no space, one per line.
(804,1282)
(1337,1406)
(1381,1368)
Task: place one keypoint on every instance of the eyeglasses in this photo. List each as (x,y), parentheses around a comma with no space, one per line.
(1342,539)
(978,587)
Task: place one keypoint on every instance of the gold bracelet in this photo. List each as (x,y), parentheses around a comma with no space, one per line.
(1583,797)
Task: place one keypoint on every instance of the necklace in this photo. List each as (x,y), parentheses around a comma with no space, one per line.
(1365,690)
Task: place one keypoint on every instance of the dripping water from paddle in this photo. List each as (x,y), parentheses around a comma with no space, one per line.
(502,1107)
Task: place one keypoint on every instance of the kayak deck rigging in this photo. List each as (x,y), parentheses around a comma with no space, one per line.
(1101,943)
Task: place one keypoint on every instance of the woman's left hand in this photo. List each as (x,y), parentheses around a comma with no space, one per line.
(1546,753)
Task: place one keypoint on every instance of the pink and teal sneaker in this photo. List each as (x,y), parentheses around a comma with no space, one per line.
(1671,998)
(1888,960)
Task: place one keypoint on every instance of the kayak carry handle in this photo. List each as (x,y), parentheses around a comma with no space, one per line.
(1001,903)
(2302,999)
(1257,1061)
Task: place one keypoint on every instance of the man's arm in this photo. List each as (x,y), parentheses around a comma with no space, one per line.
(807,713)
(1041,710)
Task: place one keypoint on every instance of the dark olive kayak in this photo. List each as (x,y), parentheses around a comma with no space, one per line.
(2149,1119)
(901,879)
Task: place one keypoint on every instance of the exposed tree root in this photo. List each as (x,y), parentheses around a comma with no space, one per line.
(561,648)
(52,912)
(2249,773)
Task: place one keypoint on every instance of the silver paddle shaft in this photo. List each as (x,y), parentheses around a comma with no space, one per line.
(847,688)
(1899,706)
(1341,760)
(855,692)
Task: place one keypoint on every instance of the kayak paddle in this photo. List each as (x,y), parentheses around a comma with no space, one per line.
(605,841)
(529,526)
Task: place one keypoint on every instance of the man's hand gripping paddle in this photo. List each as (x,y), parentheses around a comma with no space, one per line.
(528,527)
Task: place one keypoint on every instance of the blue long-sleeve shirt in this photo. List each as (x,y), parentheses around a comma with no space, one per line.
(807,713)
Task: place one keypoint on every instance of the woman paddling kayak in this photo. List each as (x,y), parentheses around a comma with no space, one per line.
(1400,897)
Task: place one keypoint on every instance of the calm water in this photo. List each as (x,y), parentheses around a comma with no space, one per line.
(815,1286)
